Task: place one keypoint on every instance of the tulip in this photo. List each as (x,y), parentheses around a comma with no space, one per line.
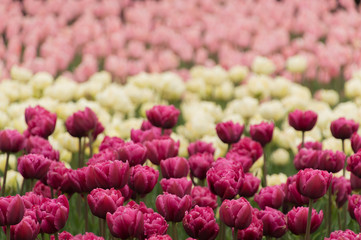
(126,192)
(164,117)
(355,182)
(111,174)
(274,222)
(331,161)
(40,121)
(236,213)
(142,136)
(160,237)
(310,145)
(313,183)
(341,187)
(354,164)
(346,235)
(55,175)
(302,120)
(110,143)
(176,167)
(355,142)
(203,197)
(101,201)
(177,186)
(297,219)
(172,207)
(200,223)
(134,153)
(160,149)
(142,179)
(39,145)
(357,212)
(343,128)
(147,125)
(43,190)
(12,210)
(292,193)
(33,166)
(306,158)
(103,156)
(245,161)
(200,147)
(271,196)
(64,236)
(27,229)
(53,214)
(248,147)
(86,236)
(199,164)
(254,231)
(141,207)
(353,202)
(262,132)
(154,224)
(229,132)
(126,222)
(223,182)
(250,186)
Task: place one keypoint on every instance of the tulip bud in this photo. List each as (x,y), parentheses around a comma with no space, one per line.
(250,186)
(354,164)
(142,179)
(254,230)
(200,163)
(33,166)
(223,182)
(306,158)
(229,132)
(175,167)
(271,196)
(172,207)
(86,236)
(341,187)
(310,145)
(331,161)
(203,197)
(43,190)
(343,128)
(200,147)
(103,156)
(262,132)
(40,121)
(200,223)
(27,229)
(177,186)
(245,161)
(154,224)
(126,222)
(110,143)
(297,220)
(142,136)
(356,142)
(302,121)
(160,149)
(236,213)
(248,147)
(163,116)
(292,193)
(101,201)
(38,145)
(353,202)
(134,153)
(274,222)
(160,237)
(11,141)
(346,235)
(355,182)
(313,183)
(12,210)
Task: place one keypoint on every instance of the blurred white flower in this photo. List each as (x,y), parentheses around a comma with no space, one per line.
(262,65)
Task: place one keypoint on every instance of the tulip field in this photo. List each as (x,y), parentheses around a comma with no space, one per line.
(191,119)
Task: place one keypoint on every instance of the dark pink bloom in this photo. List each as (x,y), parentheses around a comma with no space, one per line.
(343,128)
(87,236)
(203,197)
(55,175)
(110,143)
(200,223)
(83,123)
(44,190)
(236,213)
(172,207)
(141,136)
(33,166)
(147,125)
(163,116)
(126,222)
(40,121)
(177,186)
(39,145)
(142,179)
(27,229)
(101,201)
(250,185)
(313,183)
(111,174)
(310,145)
(306,158)
(248,147)
(341,187)
(262,132)
(229,132)
(223,182)
(200,163)
(271,196)
(53,214)
(103,156)
(244,160)
(63,236)
(160,237)
(355,182)
(11,141)
(297,220)
(141,207)
(356,142)
(357,212)
(160,149)
(134,153)
(354,164)
(302,120)
(254,231)
(175,167)
(200,147)
(274,222)
(126,192)
(331,161)
(154,224)
(32,199)
(292,193)
(353,202)
(12,210)
(343,235)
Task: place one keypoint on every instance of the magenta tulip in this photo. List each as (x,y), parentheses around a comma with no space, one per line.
(86,236)
(154,224)
(271,196)
(343,235)
(248,147)
(160,237)
(12,210)
(142,136)
(33,166)
(331,161)
(355,142)
(11,141)
(39,145)
(297,220)
(250,185)
(262,132)
(245,161)
(306,158)
(236,213)
(160,149)
(175,167)
(343,128)
(27,229)
(353,202)
(200,223)
(229,132)
(101,201)
(274,222)
(40,121)
(313,183)
(292,193)
(110,143)
(163,116)
(254,231)
(355,182)
(302,120)
(200,163)
(200,147)
(223,182)
(177,186)
(134,153)
(172,207)
(203,197)
(103,156)
(142,179)
(354,164)
(341,187)
(310,145)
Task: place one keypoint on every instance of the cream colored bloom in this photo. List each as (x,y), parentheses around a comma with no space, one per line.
(63,89)
(198,86)
(125,127)
(272,110)
(221,148)
(215,76)
(276,179)
(139,95)
(68,142)
(353,88)
(296,64)
(336,145)
(259,86)
(104,78)
(329,96)
(292,103)
(10,90)
(246,107)
(280,87)
(262,65)
(238,73)
(171,86)
(4,101)
(4,119)
(13,180)
(18,124)
(12,162)
(20,73)
(280,157)
(41,80)
(242,92)
(65,156)
(224,91)
(183,147)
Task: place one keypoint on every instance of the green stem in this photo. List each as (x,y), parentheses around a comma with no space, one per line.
(7,232)
(222,230)
(52,192)
(174,231)
(101,232)
(264,169)
(56,236)
(344,214)
(90,145)
(339,219)
(308,227)
(329,212)
(303,139)
(137,198)
(5,173)
(104,228)
(22,187)
(79,154)
(86,212)
(42,236)
(344,166)
(235,233)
